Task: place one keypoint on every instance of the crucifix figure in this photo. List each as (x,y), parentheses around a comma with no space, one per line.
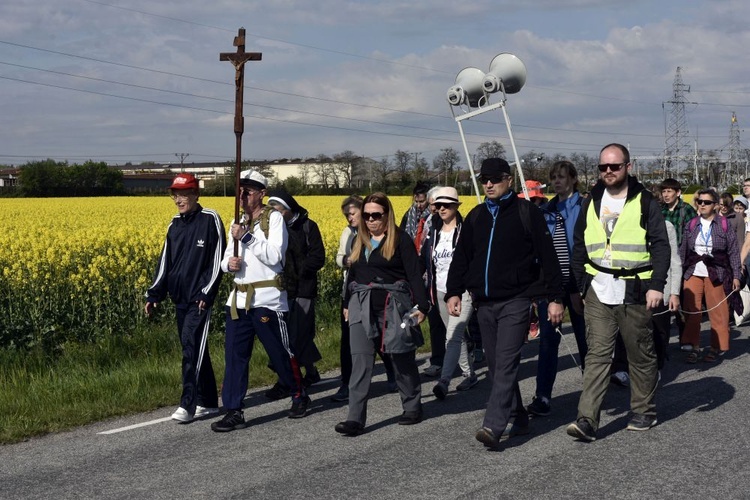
(238,60)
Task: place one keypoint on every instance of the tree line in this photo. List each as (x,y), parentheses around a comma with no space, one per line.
(348,172)
(49,178)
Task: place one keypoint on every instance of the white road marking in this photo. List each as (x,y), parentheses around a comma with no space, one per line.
(135,426)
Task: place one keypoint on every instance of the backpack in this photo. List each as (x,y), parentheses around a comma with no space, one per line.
(294,257)
(538,288)
(694,222)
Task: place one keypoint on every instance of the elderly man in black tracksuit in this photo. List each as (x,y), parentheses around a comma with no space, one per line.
(189,270)
(504,258)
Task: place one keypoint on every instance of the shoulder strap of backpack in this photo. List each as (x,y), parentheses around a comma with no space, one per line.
(646,198)
(265,218)
(524,212)
(692,223)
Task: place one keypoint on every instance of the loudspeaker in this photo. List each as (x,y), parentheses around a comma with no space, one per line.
(468,88)
(509,70)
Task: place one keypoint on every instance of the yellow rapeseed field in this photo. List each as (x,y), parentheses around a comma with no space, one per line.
(74,269)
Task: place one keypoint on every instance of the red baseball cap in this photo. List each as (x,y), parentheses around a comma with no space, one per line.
(185,181)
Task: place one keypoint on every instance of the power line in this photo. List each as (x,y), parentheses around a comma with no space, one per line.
(264,37)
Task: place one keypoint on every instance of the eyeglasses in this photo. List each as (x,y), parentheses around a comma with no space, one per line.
(179,197)
(705,202)
(248,192)
(440,206)
(493,179)
(614,167)
(372,215)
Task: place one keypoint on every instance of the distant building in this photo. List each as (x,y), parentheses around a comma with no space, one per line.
(9,177)
(313,172)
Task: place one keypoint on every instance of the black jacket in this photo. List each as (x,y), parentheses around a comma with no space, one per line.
(656,239)
(428,248)
(309,255)
(497,258)
(189,268)
(404,265)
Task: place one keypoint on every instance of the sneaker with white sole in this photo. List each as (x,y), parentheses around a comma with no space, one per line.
(182,415)
(582,429)
(641,422)
(203,411)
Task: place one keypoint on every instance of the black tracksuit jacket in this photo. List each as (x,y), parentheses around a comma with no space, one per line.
(189,268)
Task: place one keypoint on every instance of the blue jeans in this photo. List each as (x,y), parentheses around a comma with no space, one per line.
(549,346)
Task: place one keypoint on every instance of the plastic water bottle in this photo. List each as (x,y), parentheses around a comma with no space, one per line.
(409,318)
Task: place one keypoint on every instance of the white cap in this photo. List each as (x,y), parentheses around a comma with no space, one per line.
(252,178)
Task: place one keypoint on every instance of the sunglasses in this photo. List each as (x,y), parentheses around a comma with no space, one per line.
(440,206)
(492,179)
(372,215)
(614,167)
(705,202)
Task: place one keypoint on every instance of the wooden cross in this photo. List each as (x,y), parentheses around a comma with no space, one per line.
(238,60)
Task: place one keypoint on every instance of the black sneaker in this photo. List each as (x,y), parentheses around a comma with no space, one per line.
(487,438)
(582,430)
(410,417)
(513,430)
(641,422)
(299,407)
(440,390)
(539,407)
(341,395)
(278,391)
(311,377)
(232,421)
(350,428)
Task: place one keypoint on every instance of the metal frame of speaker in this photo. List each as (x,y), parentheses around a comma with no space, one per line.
(507,75)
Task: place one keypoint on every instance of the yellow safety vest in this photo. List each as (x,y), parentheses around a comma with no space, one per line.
(628,249)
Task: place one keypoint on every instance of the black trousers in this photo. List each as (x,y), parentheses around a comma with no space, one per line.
(437,336)
(301,324)
(198,379)
(504,326)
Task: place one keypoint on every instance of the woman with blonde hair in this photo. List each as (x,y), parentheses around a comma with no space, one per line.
(383,284)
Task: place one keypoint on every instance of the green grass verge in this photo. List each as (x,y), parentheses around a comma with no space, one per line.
(124,374)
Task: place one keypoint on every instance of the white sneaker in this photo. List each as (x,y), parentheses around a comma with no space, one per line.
(202,411)
(182,415)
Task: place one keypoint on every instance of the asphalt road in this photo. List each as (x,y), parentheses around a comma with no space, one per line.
(699,449)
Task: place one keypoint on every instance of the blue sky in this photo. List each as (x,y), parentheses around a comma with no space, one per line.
(135,81)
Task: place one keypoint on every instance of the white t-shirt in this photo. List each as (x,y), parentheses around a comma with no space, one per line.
(442,256)
(704,245)
(608,289)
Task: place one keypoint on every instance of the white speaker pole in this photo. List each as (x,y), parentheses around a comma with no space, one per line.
(515,153)
(468,162)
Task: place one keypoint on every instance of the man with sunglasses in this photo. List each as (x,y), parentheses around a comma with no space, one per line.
(504,258)
(620,260)
(188,269)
